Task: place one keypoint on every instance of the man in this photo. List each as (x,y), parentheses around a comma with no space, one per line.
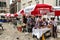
(25,22)
(14,22)
(54,27)
(29,23)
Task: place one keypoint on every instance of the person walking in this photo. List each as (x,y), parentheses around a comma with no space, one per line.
(14,21)
(24,22)
(32,22)
(29,23)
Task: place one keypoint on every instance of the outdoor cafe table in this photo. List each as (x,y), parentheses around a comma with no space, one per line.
(39,32)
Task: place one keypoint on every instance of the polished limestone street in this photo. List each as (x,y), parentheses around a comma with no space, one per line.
(9,33)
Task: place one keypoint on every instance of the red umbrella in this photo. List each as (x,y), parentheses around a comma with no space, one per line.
(35,12)
(8,15)
(15,14)
(12,15)
(38,15)
(57,13)
(43,6)
(40,7)
(22,11)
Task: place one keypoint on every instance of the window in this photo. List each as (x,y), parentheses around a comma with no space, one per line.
(19,0)
(24,5)
(2,4)
(29,3)
(37,2)
(28,0)
(59,2)
(2,16)
(56,2)
(1,11)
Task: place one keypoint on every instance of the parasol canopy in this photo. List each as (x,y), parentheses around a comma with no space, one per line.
(35,9)
(41,9)
(8,15)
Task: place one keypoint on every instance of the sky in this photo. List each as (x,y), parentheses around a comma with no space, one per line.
(10,1)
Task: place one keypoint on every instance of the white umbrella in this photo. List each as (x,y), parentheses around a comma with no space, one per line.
(12,15)
(26,10)
(8,14)
(29,9)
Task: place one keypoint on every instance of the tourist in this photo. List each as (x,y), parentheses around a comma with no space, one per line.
(54,27)
(14,21)
(29,23)
(25,22)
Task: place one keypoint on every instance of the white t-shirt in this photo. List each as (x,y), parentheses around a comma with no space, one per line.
(53,23)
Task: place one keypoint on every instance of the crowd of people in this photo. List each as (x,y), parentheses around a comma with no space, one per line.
(39,22)
(31,22)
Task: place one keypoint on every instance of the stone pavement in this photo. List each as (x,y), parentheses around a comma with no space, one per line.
(10,33)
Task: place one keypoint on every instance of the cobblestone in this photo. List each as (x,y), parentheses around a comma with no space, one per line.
(10,33)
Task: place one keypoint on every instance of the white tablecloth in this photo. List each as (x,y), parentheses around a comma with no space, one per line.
(39,32)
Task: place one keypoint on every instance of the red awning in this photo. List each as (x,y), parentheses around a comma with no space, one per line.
(15,14)
(8,15)
(43,6)
(35,12)
(57,13)
(40,7)
(22,11)
(12,15)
